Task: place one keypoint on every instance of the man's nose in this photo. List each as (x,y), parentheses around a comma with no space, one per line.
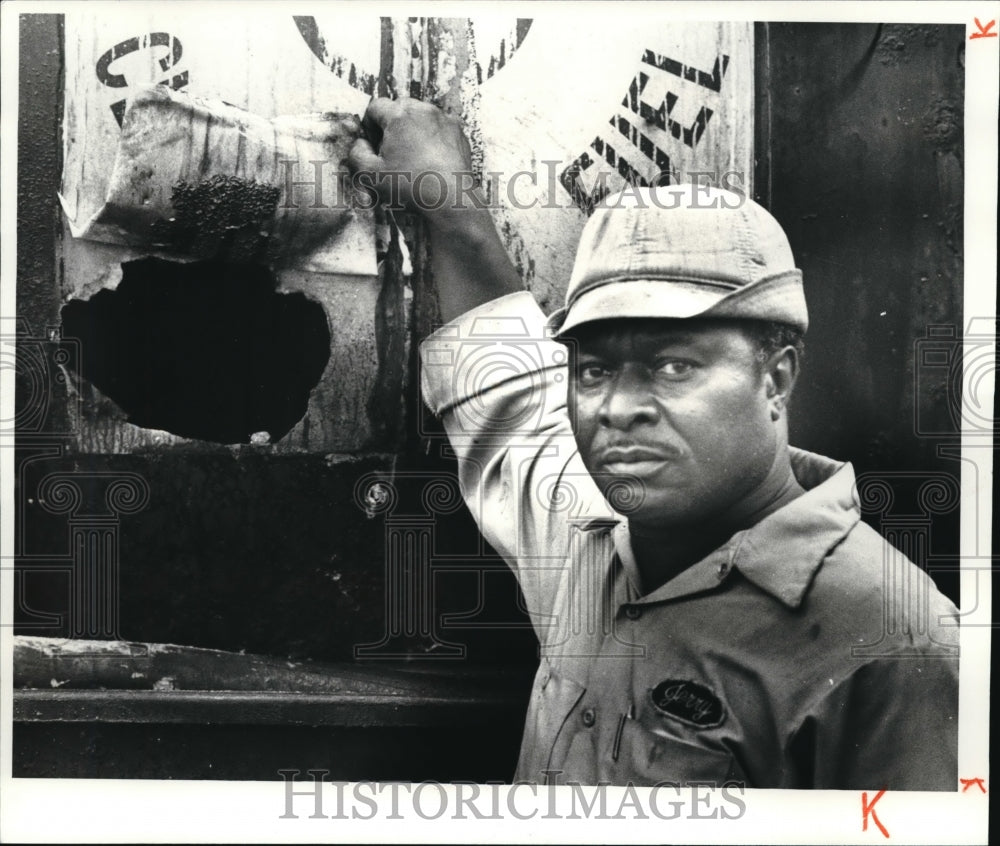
(628,401)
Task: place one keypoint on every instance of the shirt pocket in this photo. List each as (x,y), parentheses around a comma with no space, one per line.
(650,750)
(554,696)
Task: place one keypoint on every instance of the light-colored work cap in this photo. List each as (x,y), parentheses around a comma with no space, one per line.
(680,251)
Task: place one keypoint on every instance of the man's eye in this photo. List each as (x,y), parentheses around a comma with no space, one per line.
(590,374)
(675,368)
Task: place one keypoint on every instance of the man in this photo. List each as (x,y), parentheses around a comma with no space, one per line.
(708,603)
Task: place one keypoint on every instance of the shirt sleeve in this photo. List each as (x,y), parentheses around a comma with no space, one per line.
(499,383)
(893,723)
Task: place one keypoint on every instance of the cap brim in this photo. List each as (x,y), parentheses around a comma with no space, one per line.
(636,299)
(779,298)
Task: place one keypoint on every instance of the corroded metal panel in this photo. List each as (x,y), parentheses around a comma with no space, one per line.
(552,130)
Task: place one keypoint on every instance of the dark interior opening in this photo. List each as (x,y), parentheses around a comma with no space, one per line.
(204,350)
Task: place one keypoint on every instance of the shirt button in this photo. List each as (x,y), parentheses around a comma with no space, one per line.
(723,569)
(589,717)
(633,612)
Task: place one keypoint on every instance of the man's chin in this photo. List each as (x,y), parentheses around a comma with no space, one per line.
(646,503)
(625,494)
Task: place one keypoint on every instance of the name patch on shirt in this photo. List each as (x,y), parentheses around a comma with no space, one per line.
(689,702)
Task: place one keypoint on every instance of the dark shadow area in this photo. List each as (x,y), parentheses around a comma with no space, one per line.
(861,129)
(464,751)
(205,350)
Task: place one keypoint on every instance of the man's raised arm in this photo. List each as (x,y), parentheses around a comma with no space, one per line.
(412,138)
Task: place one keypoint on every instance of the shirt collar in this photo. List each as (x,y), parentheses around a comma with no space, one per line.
(782,553)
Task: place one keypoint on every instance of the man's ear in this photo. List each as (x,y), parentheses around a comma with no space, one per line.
(780,373)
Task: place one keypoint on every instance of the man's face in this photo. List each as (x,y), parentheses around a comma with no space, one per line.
(672,413)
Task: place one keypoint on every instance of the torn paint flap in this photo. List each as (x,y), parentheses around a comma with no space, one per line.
(202,178)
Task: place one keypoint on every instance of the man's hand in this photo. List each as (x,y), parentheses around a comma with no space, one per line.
(422,160)
(417,157)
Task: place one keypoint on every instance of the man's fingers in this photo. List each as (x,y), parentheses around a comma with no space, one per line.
(377,116)
(402,139)
(380,109)
(364,159)
(368,168)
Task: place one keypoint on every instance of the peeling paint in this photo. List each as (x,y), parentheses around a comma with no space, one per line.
(446,63)
(469,99)
(222,216)
(519,253)
(51,647)
(897,42)
(942,126)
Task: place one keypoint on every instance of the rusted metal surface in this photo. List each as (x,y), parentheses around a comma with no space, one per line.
(260,708)
(505,78)
(867,179)
(115,681)
(862,126)
(75,664)
(236,549)
(39,405)
(39,163)
(346,409)
(112,709)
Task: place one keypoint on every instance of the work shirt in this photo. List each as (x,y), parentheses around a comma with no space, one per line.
(806,652)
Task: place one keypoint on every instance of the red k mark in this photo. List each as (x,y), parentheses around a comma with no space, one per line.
(968,782)
(868,808)
(983,31)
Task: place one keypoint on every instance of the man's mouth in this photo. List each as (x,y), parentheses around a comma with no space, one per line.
(637,461)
